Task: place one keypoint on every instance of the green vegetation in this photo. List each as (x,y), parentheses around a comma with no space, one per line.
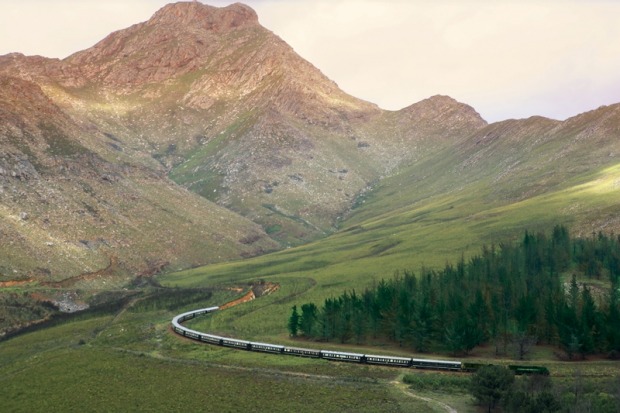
(18,307)
(511,295)
(437,382)
(428,233)
(427,214)
(110,349)
(104,380)
(491,384)
(407,223)
(494,387)
(129,361)
(172,300)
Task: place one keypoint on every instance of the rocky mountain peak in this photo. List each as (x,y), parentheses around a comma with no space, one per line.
(196,14)
(178,39)
(444,110)
(437,104)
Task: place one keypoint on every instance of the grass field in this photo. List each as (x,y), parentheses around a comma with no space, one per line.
(132,362)
(129,360)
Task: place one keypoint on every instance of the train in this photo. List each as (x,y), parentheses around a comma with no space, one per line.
(429,364)
(517,369)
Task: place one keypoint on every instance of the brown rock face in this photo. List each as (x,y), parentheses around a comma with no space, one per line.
(222,106)
(202,17)
(179,38)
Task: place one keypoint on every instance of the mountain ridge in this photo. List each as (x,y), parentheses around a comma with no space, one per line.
(205,99)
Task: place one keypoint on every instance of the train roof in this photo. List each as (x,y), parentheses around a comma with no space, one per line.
(436,361)
(389,357)
(342,353)
(266,344)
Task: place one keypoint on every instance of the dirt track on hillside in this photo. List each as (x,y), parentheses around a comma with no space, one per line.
(258,290)
(404,388)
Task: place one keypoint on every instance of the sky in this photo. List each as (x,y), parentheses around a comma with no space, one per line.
(506,58)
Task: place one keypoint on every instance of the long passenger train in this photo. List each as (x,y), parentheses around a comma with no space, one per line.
(304,352)
(328,354)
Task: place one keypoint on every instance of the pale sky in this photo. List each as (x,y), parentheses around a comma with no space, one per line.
(506,58)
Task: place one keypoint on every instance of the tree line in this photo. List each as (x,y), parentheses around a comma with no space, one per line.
(513,295)
(494,386)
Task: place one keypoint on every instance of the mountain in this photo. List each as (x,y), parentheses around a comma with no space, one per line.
(199,136)
(74,203)
(506,177)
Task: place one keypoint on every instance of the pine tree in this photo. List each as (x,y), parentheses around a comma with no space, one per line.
(491,384)
(308,322)
(512,291)
(293,322)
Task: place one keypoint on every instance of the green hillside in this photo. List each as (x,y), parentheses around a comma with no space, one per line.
(170,373)
(432,211)
(531,175)
(430,233)
(174,143)
(129,361)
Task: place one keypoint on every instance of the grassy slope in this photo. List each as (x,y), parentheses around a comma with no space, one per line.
(132,362)
(434,232)
(166,371)
(488,188)
(429,213)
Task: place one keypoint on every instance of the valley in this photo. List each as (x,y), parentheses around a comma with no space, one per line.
(182,160)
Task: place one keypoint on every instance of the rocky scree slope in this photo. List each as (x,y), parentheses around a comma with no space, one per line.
(72,203)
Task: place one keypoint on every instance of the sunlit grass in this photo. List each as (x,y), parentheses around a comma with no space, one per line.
(429,233)
(401,226)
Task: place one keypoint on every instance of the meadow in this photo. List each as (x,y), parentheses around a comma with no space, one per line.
(130,361)
(127,359)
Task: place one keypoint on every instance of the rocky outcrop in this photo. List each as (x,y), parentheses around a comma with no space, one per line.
(203,17)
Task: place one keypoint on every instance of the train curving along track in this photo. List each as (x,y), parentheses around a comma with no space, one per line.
(430,364)
(177,327)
